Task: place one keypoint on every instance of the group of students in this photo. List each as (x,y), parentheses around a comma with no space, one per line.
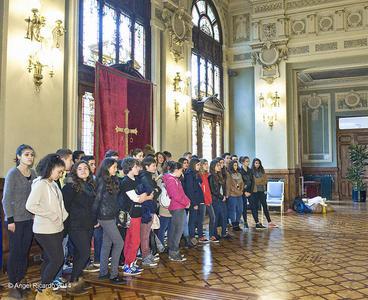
(65,206)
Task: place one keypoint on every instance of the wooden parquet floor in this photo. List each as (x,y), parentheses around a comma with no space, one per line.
(308,257)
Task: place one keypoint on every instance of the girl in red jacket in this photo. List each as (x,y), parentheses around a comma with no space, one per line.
(203,172)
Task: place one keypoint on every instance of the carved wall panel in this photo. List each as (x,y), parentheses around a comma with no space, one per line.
(351,101)
(316,124)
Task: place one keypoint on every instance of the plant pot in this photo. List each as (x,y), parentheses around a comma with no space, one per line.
(359,196)
(363,195)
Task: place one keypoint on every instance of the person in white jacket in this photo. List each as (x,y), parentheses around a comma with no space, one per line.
(46,203)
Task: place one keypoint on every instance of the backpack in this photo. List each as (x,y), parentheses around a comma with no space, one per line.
(300,207)
(164,197)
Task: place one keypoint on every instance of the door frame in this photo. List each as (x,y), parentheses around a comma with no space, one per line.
(340,132)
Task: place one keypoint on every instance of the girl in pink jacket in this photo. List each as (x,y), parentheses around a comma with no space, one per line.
(179,202)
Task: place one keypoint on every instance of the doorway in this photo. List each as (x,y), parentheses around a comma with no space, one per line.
(349,130)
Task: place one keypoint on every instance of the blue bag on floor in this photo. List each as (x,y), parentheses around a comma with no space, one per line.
(300,207)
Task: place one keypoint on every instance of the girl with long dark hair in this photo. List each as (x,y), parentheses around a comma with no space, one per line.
(18,220)
(234,192)
(79,195)
(259,194)
(46,202)
(107,208)
(217,186)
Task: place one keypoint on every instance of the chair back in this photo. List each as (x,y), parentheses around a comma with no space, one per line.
(275,190)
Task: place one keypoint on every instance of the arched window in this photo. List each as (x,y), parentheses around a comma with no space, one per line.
(110,32)
(207,79)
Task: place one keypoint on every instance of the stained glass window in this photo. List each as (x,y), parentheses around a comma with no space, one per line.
(120,27)
(217,80)
(88,117)
(139,48)
(109,36)
(206,26)
(125,49)
(194,76)
(90,32)
(194,135)
(202,74)
(207,139)
(207,77)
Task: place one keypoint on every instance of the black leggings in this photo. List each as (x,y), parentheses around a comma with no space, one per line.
(255,200)
(53,255)
(19,243)
(81,240)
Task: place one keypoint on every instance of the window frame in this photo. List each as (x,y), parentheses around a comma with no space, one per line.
(209,49)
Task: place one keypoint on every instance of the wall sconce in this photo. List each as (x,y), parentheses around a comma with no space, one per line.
(179,93)
(44,44)
(269,108)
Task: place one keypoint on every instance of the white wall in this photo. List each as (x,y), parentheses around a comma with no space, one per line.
(27,116)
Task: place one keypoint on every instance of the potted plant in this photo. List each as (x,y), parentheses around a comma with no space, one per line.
(359,160)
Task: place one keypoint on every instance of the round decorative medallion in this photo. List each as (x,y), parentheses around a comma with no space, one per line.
(269,56)
(326,23)
(298,27)
(314,101)
(352,99)
(354,19)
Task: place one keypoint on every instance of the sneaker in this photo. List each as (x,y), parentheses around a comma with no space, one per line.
(91,269)
(157,255)
(149,263)
(137,268)
(272,225)
(177,258)
(58,284)
(214,239)
(96,264)
(246,226)
(236,228)
(203,240)
(154,258)
(260,226)
(130,271)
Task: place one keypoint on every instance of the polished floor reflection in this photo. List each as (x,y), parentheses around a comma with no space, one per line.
(308,257)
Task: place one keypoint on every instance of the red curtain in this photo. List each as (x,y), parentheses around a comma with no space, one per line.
(116,91)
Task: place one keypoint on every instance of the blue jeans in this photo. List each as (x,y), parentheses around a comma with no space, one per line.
(235,208)
(97,243)
(220,210)
(164,226)
(196,220)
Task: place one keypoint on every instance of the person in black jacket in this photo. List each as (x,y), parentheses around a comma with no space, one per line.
(79,196)
(192,188)
(106,205)
(247,176)
(217,186)
(148,185)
